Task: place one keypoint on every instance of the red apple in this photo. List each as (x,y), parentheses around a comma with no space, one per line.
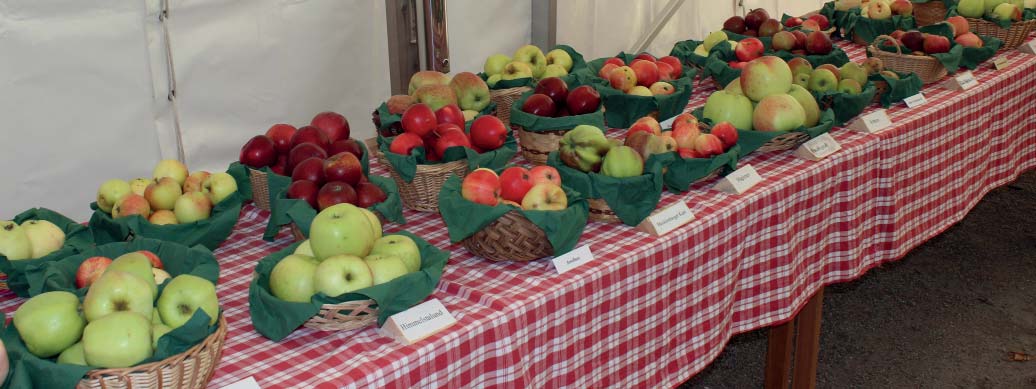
(488,133)
(450,113)
(344,167)
(960,25)
(810,25)
(751,33)
(708,145)
(562,112)
(346,145)
(675,64)
(770,27)
(419,119)
(646,72)
(726,134)
(553,87)
(539,105)
(368,194)
(821,21)
(333,124)
(736,64)
(583,100)
(310,134)
(404,143)
(913,40)
(800,40)
(898,35)
(258,152)
(514,183)
(818,43)
(606,69)
(335,192)
(969,40)
(481,186)
(429,146)
(646,57)
(755,18)
(450,138)
(615,60)
(281,165)
(281,135)
(646,124)
(749,49)
(90,270)
(155,261)
(665,72)
(687,153)
(304,190)
(792,22)
(935,43)
(311,169)
(543,173)
(735,24)
(685,131)
(301,153)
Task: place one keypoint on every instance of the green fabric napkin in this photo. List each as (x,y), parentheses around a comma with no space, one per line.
(210,232)
(907,85)
(972,57)
(868,29)
(684,50)
(716,67)
(464,218)
(406,165)
(751,140)
(846,106)
(284,211)
(578,63)
(621,109)
(843,20)
(77,238)
(683,172)
(176,259)
(535,123)
(632,199)
(275,183)
(276,319)
(739,37)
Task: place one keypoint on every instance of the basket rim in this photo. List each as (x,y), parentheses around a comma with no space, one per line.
(215,338)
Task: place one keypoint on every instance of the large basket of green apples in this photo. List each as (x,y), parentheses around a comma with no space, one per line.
(36,236)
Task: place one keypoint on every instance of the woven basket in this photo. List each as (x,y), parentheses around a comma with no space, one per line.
(187,370)
(926,67)
(504,99)
(925,14)
(787,141)
(882,88)
(350,315)
(422,194)
(512,237)
(537,145)
(600,212)
(1012,37)
(260,189)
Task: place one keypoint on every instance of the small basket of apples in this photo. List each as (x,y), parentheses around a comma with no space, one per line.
(622,182)
(846,90)
(878,17)
(346,276)
(542,116)
(465,96)
(933,51)
(519,215)
(659,87)
(149,318)
(36,236)
(1010,22)
(431,149)
(510,77)
(196,208)
(269,159)
(299,203)
(702,152)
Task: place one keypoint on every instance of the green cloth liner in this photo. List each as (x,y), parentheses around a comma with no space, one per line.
(77,238)
(632,198)
(907,85)
(464,218)
(388,119)
(733,36)
(1027,14)
(176,259)
(683,172)
(972,57)
(29,371)
(684,50)
(842,20)
(717,68)
(578,63)
(868,29)
(210,232)
(276,319)
(406,165)
(621,109)
(284,211)
(752,140)
(535,123)
(846,106)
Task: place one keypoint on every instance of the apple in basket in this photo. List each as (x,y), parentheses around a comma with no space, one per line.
(545,197)
(488,133)
(404,143)
(310,134)
(333,124)
(450,113)
(450,136)
(553,87)
(481,186)
(343,167)
(583,100)
(304,190)
(281,135)
(515,182)
(258,152)
(419,119)
(543,173)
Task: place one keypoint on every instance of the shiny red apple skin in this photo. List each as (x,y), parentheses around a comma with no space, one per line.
(301,153)
(515,182)
(555,88)
(821,20)
(344,167)
(614,60)
(451,138)
(90,270)
(540,105)
(404,143)
(310,134)
(675,64)
(346,145)
(450,113)
(334,125)
(646,71)
(419,119)
(311,169)
(544,173)
(281,135)
(488,133)
(304,190)
(258,152)
(726,134)
(735,24)
(646,57)
(281,165)
(583,100)
(335,192)
(369,194)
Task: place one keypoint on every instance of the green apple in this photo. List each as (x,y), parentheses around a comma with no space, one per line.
(426,77)
(853,71)
(778,113)
(723,106)
(808,103)
(111,192)
(495,64)
(49,323)
(802,79)
(162,193)
(185,294)
(385,268)
(342,274)
(472,93)
(560,57)
(192,207)
(1007,11)
(73,355)
(701,51)
(219,186)
(400,246)
(584,148)
(292,279)
(492,80)
(118,291)
(515,70)
(137,264)
(156,318)
(121,339)
(304,248)
(341,229)
(44,237)
(849,86)
(990,5)
(14,244)
(622,162)
(170,168)
(139,185)
(554,70)
(765,76)
(823,80)
(533,56)
(436,96)
(734,87)
(157,330)
(714,38)
(640,90)
(374,222)
(971,8)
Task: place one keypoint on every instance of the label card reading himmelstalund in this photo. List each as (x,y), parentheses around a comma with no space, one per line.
(818,148)
(915,100)
(419,322)
(1028,48)
(872,123)
(247,383)
(963,81)
(1000,63)
(573,259)
(740,181)
(667,219)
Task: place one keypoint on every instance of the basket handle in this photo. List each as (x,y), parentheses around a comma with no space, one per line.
(874,44)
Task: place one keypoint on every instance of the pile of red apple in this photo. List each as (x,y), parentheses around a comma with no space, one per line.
(690,140)
(919,43)
(645,76)
(536,189)
(440,130)
(796,42)
(758,23)
(553,99)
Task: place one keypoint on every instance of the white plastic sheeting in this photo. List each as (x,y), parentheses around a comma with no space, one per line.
(477,29)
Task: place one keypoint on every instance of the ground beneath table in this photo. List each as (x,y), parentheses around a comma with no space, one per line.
(944,316)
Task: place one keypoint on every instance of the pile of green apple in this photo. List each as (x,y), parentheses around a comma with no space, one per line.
(528,62)
(764,98)
(585,148)
(31,240)
(645,75)
(850,78)
(119,322)
(172,196)
(435,89)
(1003,10)
(345,252)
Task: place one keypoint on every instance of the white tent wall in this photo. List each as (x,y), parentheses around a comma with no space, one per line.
(776,8)
(477,29)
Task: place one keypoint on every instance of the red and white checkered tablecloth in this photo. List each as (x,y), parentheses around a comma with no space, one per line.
(654,311)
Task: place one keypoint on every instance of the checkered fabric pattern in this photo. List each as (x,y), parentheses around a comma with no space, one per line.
(651,312)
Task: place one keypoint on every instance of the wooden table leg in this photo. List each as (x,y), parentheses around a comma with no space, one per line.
(807,342)
(778,355)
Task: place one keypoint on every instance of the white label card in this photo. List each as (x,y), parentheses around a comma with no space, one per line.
(963,81)
(247,383)
(419,322)
(1029,48)
(818,148)
(667,219)
(915,100)
(668,123)
(740,181)
(573,259)
(873,122)
(1000,63)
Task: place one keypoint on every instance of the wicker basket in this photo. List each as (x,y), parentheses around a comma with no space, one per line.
(784,142)
(600,212)
(925,14)
(187,370)
(882,88)
(536,145)
(350,315)
(422,194)
(504,98)
(512,237)
(260,189)
(1012,37)
(926,67)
